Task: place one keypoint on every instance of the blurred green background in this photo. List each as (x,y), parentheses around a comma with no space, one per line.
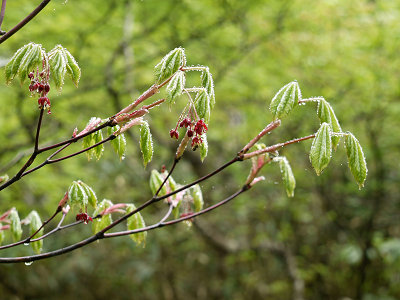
(331,241)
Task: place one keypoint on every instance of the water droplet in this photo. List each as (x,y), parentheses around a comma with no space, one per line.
(28,263)
(26,244)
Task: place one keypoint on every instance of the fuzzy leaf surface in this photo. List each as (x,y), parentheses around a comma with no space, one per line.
(287,175)
(285,99)
(146,143)
(356,159)
(34,225)
(77,195)
(15,225)
(169,64)
(136,222)
(326,114)
(208,83)
(119,143)
(105,220)
(202,103)
(175,87)
(321,148)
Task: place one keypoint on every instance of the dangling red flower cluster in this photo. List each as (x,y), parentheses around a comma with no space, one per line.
(194,130)
(40,85)
(84,217)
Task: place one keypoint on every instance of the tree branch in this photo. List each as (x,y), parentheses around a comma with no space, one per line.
(21,24)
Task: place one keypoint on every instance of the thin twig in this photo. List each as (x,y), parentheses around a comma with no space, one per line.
(24,21)
(275,147)
(185,218)
(31,158)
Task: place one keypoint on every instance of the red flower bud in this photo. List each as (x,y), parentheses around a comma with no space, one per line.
(174,133)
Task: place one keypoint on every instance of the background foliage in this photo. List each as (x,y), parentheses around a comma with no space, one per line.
(332,238)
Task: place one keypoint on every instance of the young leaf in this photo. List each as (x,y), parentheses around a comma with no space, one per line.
(92,198)
(176,210)
(33,58)
(146,143)
(77,195)
(58,65)
(105,220)
(13,65)
(202,103)
(356,159)
(175,86)
(73,69)
(326,114)
(34,224)
(203,147)
(15,225)
(197,198)
(99,150)
(87,142)
(284,101)
(135,222)
(208,83)
(321,148)
(119,143)
(156,180)
(169,64)
(287,175)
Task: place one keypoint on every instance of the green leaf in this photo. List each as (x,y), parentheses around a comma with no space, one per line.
(105,220)
(15,225)
(321,148)
(13,65)
(135,222)
(92,198)
(33,58)
(87,142)
(326,114)
(92,139)
(176,210)
(169,64)
(203,147)
(146,143)
(119,143)
(284,101)
(34,224)
(356,159)
(156,180)
(98,150)
(287,175)
(73,69)
(208,83)
(197,198)
(78,195)
(175,86)
(202,103)
(58,65)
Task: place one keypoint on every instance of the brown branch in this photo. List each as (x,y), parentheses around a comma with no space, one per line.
(21,24)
